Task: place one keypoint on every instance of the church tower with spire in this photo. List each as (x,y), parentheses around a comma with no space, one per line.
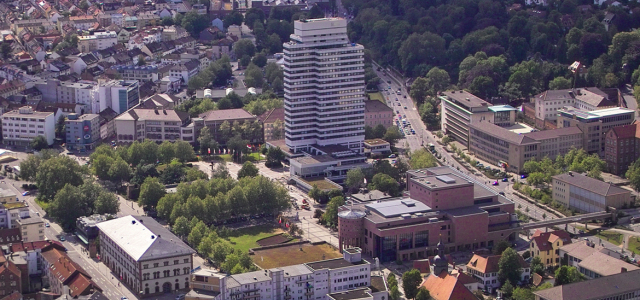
(440,261)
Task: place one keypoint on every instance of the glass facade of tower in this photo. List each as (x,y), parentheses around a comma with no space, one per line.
(324,87)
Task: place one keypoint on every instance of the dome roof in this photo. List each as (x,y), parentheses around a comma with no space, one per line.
(351,214)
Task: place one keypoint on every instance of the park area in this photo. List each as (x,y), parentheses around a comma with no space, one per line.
(257,236)
(288,255)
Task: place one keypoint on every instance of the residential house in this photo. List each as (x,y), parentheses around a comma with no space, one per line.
(32,228)
(185,70)
(10,278)
(97,41)
(107,123)
(13,87)
(546,246)
(63,276)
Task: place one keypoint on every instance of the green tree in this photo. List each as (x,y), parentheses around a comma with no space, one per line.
(509,267)
(253,76)
(67,207)
(184,151)
(394,293)
(151,191)
(566,275)
(166,152)
(259,60)
(234,18)
(559,83)
(438,80)
(106,203)
(385,184)
(197,233)
(248,170)
(206,141)
(410,282)
(419,89)
(421,159)
(423,294)
(507,289)
(194,23)
(54,173)
(521,293)
(141,61)
(355,178)
(119,171)
(331,214)
(537,266)
(633,174)
(392,135)
(100,166)
(244,47)
(500,247)
(38,143)
(5,49)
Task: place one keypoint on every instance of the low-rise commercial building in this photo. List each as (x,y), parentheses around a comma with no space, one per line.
(594,124)
(376,146)
(546,246)
(620,286)
(20,127)
(87,231)
(154,124)
(586,195)
(444,205)
(377,113)
(157,262)
(83,132)
(331,162)
(511,150)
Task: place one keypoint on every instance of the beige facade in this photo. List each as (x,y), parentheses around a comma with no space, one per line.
(586,195)
(7,196)
(510,150)
(594,124)
(32,229)
(377,113)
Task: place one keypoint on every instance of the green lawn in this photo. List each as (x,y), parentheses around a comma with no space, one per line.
(634,244)
(609,236)
(245,238)
(42,204)
(225,157)
(256,156)
(377,96)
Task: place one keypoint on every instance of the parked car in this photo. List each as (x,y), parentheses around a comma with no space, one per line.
(392,156)
(495,183)
(501,193)
(46,225)
(27,193)
(505,179)
(62,238)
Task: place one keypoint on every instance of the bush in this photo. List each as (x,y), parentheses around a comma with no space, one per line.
(526,254)
(317,214)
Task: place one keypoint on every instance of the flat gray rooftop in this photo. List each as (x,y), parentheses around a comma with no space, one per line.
(396,208)
(334,264)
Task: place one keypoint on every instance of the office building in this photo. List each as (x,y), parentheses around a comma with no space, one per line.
(87,231)
(546,245)
(510,150)
(587,99)
(461,108)
(119,95)
(158,125)
(594,124)
(485,269)
(619,286)
(76,93)
(586,195)
(377,113)
(324,100)
(97,41)
(621,148)
(20,127)
(145,255)
(330,162)
(313,280)
(83,132)
(443,203)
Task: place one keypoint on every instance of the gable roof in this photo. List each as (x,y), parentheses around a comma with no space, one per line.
(447,287)
(625,131)
(226,114)
(143,238)
(590,184)
(545,240)
(598,288)
(489,264)
(272,115)
(376,106)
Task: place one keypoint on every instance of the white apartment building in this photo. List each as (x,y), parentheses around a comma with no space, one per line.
(32,229)
(300,282)
(119,95)
(20,127)
(549,102)
(76,93)
(324,87)
(97,41)
(145,256)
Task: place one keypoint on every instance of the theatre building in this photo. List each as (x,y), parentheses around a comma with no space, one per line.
(442,202)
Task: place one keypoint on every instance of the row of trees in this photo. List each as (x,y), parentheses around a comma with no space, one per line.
(577,160)
(391,134)
(218,199)
(65,184)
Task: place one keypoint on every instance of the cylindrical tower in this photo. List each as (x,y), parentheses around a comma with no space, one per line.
(350,228)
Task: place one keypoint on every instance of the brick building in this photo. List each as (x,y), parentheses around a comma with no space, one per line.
(621,148)
(443,203)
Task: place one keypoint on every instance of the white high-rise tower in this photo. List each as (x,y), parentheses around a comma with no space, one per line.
(324,88)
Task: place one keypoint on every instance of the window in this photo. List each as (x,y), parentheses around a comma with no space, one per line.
(175,262)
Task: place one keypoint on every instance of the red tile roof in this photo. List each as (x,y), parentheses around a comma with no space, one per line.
(489,264)
(22,246)
(448,287)
(626,131)
(545,240)
(69,273)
